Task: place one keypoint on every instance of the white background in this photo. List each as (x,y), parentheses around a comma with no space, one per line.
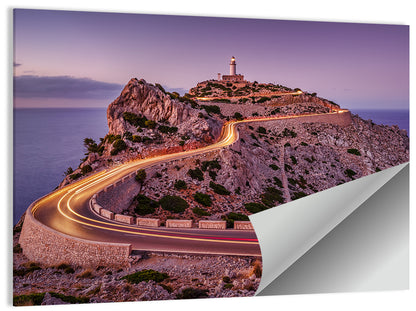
(390,12)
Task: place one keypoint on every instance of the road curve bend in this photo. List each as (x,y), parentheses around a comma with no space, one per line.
(67,210)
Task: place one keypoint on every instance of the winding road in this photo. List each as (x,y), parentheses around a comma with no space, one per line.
(67,210)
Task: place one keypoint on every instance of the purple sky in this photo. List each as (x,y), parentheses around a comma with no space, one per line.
(80,59)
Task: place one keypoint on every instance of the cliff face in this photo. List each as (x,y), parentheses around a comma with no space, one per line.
(146,120)
(146,100)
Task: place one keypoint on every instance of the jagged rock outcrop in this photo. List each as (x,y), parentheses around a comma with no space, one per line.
(174,125)
(142,98)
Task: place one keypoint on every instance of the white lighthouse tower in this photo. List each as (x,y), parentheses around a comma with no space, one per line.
(233,76)
(233,66)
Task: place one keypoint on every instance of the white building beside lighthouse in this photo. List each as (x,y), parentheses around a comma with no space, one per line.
(233,76)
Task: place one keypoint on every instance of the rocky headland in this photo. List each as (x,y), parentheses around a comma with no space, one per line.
(272,163)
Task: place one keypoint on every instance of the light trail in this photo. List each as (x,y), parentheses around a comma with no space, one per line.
(85,188)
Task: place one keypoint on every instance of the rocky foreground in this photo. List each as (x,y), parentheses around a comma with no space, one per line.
(153,276)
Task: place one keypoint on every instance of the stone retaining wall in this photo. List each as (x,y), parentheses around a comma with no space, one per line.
(148,222)
(117,196)
(124,218)
(212,224)
(49,247)
(97,208)
(342,119)
(243,225)
(107,214)
(178,223)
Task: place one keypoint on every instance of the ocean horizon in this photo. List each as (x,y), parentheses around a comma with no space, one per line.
(49,140)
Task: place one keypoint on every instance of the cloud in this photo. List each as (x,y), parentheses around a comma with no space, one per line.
(33,86)
(16,64)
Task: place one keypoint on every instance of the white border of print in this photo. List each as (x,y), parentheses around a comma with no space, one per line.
(366,11)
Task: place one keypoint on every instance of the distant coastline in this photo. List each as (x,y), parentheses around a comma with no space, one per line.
(399,117)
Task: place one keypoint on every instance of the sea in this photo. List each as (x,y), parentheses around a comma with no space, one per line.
(48,141)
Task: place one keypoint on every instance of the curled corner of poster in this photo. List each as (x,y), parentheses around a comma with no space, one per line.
(353,237)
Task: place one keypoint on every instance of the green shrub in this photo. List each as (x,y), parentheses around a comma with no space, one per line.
(203,199)
(28,300)
(261,130)
(144,205)
(196,174)
(118,145)
(62,266)
(140,176)
(180,185)
(128,135)
(17,249)
(212,109)
(75,176)
(86,169)
(110,138)
(263,99)
(174,95)
(277,182)
(232,216)
(238,116)
(226,279)
(145,276)
(167,129)
(134,119)
(192,293)
(200,211)
(274,167)
(24,271)
(173,204)
(298,195)
(160,87)
(150,124)
(213,175)
(271,196)
(350,173)
(289,133)
(294,161)
(223,100)
(70,299)
(288,168)
(136,139)
(68,171)
(273,112)
(354,151)
(253,207)
(214,164)
(69,270)
(218,189)
(90,145)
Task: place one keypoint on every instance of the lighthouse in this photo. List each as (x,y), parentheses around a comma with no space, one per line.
(233,66)
(233,76)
